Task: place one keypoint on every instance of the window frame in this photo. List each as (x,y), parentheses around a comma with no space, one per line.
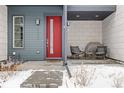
(14,32)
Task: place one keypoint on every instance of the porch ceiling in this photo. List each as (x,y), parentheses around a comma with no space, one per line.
(88,15)
(89,12)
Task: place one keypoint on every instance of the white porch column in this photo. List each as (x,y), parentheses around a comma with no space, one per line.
(3,32)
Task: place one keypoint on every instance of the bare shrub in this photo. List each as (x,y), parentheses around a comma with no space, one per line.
(118,81)
(84,76)
(5,75)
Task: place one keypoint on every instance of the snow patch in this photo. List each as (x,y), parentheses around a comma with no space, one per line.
(104,77)
(17,79)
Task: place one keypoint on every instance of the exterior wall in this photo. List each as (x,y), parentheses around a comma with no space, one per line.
(113,33)
(3,32)
(82,32)
(34,36)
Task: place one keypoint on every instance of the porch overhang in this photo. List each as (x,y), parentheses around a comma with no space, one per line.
(89,12)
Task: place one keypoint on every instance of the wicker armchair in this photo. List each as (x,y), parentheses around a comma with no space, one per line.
(90,49)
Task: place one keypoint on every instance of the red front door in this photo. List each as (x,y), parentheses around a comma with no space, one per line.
(54,36)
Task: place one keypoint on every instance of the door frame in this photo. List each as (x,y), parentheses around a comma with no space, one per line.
(45,49)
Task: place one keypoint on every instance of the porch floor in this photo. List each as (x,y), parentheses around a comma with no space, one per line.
(78,62)
(42,65)
(58,65)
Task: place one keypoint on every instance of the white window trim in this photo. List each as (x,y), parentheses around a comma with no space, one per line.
(14,33)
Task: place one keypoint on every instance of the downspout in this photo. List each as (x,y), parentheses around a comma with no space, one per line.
(65,33)
(65,40)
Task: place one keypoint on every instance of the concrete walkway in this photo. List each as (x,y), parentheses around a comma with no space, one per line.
(44,79)
(48,74)
(58,65)
(41,65)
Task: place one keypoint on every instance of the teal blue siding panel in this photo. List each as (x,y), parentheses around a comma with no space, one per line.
(34,36)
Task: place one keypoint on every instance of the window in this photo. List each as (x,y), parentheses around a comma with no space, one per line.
(18,31)
(51,35)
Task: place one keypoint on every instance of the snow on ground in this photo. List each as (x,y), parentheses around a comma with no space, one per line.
(94,76)
(13,79)
(16,79)
(91,76)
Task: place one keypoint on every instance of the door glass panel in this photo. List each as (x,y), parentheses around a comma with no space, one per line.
(51,36)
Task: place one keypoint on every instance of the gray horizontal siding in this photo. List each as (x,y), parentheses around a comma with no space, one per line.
(34,36)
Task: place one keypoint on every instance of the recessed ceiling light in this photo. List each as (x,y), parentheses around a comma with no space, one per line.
(77,16)
(96,15)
